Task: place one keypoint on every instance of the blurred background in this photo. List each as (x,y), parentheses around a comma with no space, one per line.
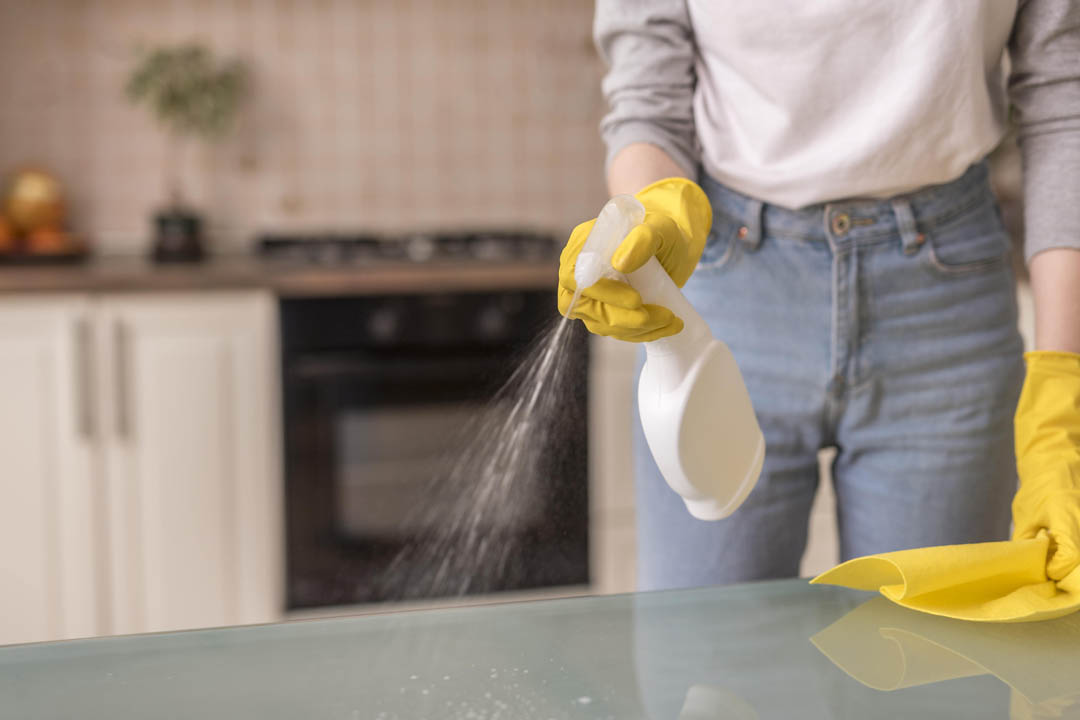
(259,260)
(361,114)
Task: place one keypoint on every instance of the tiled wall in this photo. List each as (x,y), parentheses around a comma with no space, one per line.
(374,114)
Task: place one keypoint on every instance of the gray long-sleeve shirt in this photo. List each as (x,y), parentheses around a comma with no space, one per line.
(798,103)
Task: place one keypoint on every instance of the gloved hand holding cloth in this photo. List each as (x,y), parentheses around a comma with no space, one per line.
(1048,458)
(1036,575)
(678,218)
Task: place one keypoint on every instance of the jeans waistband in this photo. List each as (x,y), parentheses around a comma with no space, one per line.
(854,221)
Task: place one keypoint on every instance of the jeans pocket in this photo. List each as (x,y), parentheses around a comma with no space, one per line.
(972,242)
(722,244)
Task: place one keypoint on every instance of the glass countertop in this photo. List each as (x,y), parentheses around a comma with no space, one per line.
(768,650)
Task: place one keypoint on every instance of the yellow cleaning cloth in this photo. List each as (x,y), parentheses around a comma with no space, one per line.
(887,648)
(988,582)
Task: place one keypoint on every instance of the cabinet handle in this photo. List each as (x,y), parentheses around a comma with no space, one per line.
(84,380)
(120,363)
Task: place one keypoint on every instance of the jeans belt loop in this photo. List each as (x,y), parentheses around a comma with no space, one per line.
(754,217)
(910,237)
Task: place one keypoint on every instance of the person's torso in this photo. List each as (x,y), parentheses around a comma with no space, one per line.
(803,102)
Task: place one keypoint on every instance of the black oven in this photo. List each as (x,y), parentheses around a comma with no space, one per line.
(376,391)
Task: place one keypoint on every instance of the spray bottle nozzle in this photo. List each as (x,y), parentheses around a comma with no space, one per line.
(618,217)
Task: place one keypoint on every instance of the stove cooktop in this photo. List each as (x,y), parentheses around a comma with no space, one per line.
(510,246)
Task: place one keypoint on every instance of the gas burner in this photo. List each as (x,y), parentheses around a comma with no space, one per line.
(319,249)
(336,250)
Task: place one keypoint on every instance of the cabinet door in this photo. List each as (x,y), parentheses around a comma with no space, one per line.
(48,500)
(192,459)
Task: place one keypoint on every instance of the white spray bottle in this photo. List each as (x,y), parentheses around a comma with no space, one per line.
(694,406)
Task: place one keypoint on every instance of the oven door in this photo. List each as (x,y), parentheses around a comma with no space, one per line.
(368,437)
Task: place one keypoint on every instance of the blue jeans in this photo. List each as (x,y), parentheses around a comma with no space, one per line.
(885,328)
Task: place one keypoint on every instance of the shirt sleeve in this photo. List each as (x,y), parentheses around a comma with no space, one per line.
(1044,88)
(649,49)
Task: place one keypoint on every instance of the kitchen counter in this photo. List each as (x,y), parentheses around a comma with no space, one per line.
(767,650)
(124,274)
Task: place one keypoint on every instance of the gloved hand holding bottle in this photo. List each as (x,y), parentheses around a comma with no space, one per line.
(1048,458)
(696,413)
(677,222)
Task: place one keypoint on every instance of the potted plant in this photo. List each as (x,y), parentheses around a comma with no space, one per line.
(195,98)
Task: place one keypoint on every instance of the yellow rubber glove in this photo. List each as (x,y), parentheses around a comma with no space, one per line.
(677,222)
(1048,458)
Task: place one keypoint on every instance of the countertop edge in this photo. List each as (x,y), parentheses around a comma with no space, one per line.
(248,273)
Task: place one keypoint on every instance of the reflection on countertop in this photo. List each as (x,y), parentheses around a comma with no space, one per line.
(887,648)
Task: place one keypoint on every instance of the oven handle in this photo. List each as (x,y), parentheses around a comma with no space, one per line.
(327,367)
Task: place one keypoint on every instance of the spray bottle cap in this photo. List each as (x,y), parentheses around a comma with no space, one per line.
(618,217)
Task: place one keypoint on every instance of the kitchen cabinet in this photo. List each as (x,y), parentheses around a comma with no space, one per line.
(49,534)
(145,483)
(191,458)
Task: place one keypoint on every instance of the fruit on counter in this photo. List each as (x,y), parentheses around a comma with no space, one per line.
(8,237)
(51,241)
(34,200)
(32,218)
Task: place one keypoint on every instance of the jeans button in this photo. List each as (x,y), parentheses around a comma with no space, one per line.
(841,223)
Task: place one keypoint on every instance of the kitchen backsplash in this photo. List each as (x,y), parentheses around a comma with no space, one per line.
(365,114)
